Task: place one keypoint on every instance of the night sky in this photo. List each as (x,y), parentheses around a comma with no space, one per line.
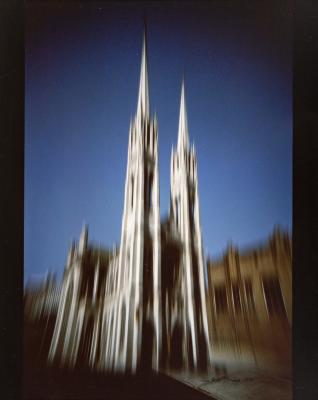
(81,87)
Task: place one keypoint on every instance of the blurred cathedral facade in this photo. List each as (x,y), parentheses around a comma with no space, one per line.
(144,304)
(147,304)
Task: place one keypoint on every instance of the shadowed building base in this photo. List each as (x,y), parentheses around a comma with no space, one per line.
(57,384)
(41,381)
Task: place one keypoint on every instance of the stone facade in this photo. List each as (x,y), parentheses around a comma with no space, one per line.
(41,300)
(142,306)
(250,304)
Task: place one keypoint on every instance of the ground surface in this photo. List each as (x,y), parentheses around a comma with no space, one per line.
(49,384)
(226,381)
(237,382)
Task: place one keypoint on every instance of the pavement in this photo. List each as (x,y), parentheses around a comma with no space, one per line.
(234,381)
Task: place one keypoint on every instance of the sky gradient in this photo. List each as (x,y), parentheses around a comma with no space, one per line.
(82,77)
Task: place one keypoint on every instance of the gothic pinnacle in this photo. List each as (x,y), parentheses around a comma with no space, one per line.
(143,96)
(183,135)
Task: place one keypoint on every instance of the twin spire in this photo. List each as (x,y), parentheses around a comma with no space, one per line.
(143,100)
(183,134)
(143,97)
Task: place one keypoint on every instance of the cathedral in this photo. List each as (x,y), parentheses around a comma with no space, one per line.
(143,305)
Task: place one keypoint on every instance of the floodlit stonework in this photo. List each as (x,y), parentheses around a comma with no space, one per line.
(144,305)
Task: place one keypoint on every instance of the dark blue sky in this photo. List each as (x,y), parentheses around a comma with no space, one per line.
(82,76)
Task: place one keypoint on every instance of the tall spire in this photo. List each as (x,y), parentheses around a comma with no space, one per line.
(183,135)
(143,97)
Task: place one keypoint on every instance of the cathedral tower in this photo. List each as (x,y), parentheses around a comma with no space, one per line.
(185,212)
(63,340)
(139,257)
